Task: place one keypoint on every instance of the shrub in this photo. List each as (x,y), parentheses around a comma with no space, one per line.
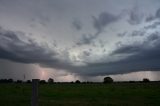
(108,80)
(28,81)
(77,82)
(50,81)
(146,80)
(19,81)
(42,81)
(10,80)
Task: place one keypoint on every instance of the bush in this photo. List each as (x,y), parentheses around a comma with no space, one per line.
(146,80)
(108,80)
(132,81)
(50,81)
(28,81)
(10,80)
(42,81)
(77,82)
(6,81)
(19,81)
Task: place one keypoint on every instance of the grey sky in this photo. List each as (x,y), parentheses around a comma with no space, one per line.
(76,39)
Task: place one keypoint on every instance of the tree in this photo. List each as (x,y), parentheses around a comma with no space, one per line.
(19,81)
(108,80)
(42,82)
(146,80)
(50,81)
(77,82)
(28,81)
(10,80)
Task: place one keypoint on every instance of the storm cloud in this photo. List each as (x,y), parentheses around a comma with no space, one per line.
(103,20)
(130,58)
(99,23)
(15,49)
(81,38)
(135,17)
(77,24)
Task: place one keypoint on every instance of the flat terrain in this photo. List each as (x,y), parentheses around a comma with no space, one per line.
(117,94)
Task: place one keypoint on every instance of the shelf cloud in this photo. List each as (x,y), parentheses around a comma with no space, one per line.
(85,39)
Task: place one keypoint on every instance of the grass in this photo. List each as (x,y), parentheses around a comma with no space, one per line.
(121,94)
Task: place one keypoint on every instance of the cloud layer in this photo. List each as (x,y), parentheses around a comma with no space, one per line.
(15,49)
(89,38)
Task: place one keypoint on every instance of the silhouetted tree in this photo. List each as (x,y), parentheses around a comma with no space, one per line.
(6,80)
(10,80)
(3,80)
(28,81)
(107,80)
(132,81)
(19,81)
(42,81)
(77,82)
(71,82)
(146,80)
(50,81)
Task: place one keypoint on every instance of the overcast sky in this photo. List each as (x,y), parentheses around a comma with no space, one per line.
(80,39)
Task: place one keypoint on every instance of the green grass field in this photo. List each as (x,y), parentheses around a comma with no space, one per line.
(122,94)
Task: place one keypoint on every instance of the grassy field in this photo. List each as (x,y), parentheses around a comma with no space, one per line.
(122,94)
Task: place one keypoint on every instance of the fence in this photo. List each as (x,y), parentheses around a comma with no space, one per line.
(34,99)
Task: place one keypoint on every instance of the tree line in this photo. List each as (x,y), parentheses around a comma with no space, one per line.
(51,81)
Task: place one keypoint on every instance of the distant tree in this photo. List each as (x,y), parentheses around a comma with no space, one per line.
(3,80)
(132,81)
(107,80)
(146,80)
(42,81)
(6,80)
(71,82)
(28,81)
(19,81)
(50,81)
(10,80)
(77,82)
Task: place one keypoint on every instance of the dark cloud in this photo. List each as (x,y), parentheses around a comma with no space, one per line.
(153,26)
(103,20)
(138,33)
(77,24)
(15,49)
(101,43)
(50,19)
(156,16)
(135,16)
(128,58)
(125,59)
(40,19)
(86,39)
(153,37)
(86,53)
(127,49)
(142,31)
(134,33)
(122,34)
(158,13)
(147,45)
(99,24)
(10,69)
(144,56)
(150,18)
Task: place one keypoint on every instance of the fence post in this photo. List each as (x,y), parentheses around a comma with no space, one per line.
(34,99)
